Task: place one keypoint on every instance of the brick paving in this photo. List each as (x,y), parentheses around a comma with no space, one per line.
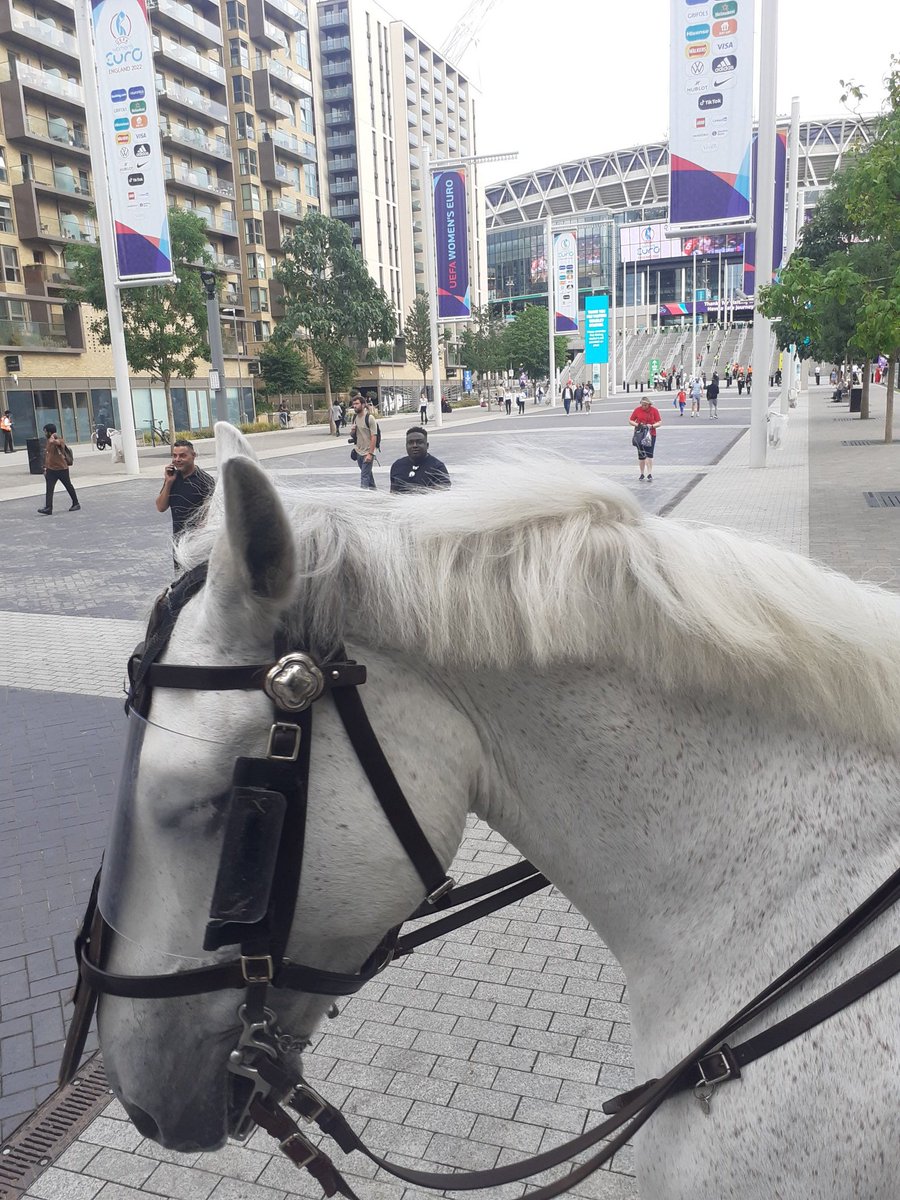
(499,1041)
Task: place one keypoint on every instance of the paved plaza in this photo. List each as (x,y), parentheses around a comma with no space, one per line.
(499,1041)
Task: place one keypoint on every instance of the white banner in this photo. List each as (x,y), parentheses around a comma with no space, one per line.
(129,118)
(565,259)
(711,110)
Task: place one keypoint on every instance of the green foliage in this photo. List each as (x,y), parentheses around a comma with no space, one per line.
(526,343)
(330,297)
(417,331)
(282,368)
(481,342)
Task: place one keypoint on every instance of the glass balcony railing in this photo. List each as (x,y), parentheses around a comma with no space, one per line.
(185,15)
(345,187)
(347,209)
(295,12)
(197,177)
(58,130)
(334,20)
(336,70)
(342,162)
(60,179)
(338,141)
(288,207)
(186,57)
(44,32)
(291,144)
(199,139)
(67,229)
(334,45)
(188,98)
(33,333)
(344,92)
(50,82)
(291,79)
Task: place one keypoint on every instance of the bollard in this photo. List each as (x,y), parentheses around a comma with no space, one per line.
(642,385)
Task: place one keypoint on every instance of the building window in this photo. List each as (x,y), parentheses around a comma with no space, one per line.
(256,266)
(248,162)
(306,114)
(250,196)
(253,231)
(244,125)
(311,179)
(11,272)
(301,49)
(4,177)
(241,89)
(260,331)
(240,53)
(6,221)
(259,299)
(236,15)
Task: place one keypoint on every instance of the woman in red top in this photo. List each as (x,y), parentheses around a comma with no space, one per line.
(645,420)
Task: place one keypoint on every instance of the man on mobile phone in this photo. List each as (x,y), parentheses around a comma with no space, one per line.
(186,487)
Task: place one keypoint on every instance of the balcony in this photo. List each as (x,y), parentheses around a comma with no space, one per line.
(291,145)
(413,140)
(41,277)
(261,29)
(341,141)
(267,101)
(345,187)
(230,263)
(196,139)
(272,172)
(335,45)
(341,69)
(39,34)
(192,101)
(57,181)
(292,81)
(219,221)
(344,92)
(184,16)
(346,209)
(199,179)
(339,116)
(49,335)
(296,14)
(414,163)
(62,229)
(182,56)
(342,162)
(51,83)
(337,19)
(274,231)
(57,134)
(286,207)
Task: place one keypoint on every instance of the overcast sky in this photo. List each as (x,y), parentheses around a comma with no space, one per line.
(564,78)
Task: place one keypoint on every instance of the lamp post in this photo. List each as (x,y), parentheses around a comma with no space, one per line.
(509,288)
(232,312)
(210,281)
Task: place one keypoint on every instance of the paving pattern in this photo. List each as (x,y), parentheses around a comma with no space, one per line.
(501,1040)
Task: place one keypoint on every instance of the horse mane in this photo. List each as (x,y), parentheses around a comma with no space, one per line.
(551,564)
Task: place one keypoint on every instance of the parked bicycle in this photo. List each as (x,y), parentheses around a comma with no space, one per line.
(157,430)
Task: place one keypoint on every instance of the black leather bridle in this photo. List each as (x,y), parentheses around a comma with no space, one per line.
(254,910)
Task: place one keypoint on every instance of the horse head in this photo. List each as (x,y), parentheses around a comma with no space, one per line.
(167,1058)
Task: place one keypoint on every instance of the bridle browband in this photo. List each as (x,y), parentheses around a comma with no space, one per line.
(273,790)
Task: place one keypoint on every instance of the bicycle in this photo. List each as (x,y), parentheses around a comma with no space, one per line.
(157,430)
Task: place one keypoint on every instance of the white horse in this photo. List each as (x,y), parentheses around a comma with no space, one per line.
(698,745)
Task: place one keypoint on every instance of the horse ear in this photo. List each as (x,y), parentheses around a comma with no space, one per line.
(256,546)
(231,443)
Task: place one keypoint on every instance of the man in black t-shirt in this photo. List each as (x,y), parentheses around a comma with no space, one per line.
(418,469)
(185,488)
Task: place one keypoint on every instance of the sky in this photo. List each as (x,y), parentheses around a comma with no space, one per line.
(571,78)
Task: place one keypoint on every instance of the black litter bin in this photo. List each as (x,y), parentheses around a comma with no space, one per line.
(34,447)
(856,399)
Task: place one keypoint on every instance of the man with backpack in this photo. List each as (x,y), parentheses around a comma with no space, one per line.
(366,437)
(57,460)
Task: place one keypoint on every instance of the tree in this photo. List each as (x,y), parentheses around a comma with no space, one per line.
(330,297)
(526,343)
(481,342)
(283,368)
(165,327)
(417,331)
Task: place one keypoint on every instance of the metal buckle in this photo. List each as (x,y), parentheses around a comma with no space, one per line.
(321,1105)
(310,1150)
(254,974)
(282,727)
(294,682)
(712,1080)
(447,886)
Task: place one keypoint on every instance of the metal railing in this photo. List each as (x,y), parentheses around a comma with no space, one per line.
(32,333)
(43,32)
(62,179)
(57,130)
(51,82)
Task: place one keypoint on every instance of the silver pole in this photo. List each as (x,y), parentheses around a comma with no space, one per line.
(694,314)
(216,353)
(613,341)
(787,374)
(107,236)
(431,279)
(765,219)
(551,307)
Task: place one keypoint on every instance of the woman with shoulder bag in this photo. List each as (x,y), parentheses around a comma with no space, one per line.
(57,460)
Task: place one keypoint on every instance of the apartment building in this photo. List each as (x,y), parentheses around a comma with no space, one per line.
(386,94)
(235,96)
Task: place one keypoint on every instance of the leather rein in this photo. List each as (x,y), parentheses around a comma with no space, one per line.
(278,784)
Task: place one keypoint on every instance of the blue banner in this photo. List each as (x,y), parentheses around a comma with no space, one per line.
(467,380)
(452,245)
(596,329)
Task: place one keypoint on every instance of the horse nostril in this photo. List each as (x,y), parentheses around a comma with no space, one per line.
(143,1122)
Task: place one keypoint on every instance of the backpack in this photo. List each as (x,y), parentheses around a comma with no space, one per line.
(68,455)
(378,431)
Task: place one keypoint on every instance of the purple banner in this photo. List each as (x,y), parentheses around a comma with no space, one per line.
(778,236)
(451,241)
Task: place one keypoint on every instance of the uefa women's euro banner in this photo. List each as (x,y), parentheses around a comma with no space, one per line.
(565,276)
(451,233)
(129,118)
(710,110)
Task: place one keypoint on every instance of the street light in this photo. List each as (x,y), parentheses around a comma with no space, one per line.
(210,281)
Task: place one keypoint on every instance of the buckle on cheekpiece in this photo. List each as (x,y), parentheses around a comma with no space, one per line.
(716,1067)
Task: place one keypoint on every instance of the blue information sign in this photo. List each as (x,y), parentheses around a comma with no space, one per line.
(596,329)
(467,380)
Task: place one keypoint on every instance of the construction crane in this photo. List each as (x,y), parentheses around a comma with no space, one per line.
(466,31)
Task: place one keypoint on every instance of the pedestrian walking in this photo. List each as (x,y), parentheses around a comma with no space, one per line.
(186,487)
(681,400)
(740,382)
(579,398)
(520,403)
(57,460)
(507,402)
(418,469)
(818,374)
(588,399)
(423,409)
(337,416)
(696,393)
(365,436)
(712,397)
(284,414)
(568,395)
(645,420)
(7,426)
(539,396)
